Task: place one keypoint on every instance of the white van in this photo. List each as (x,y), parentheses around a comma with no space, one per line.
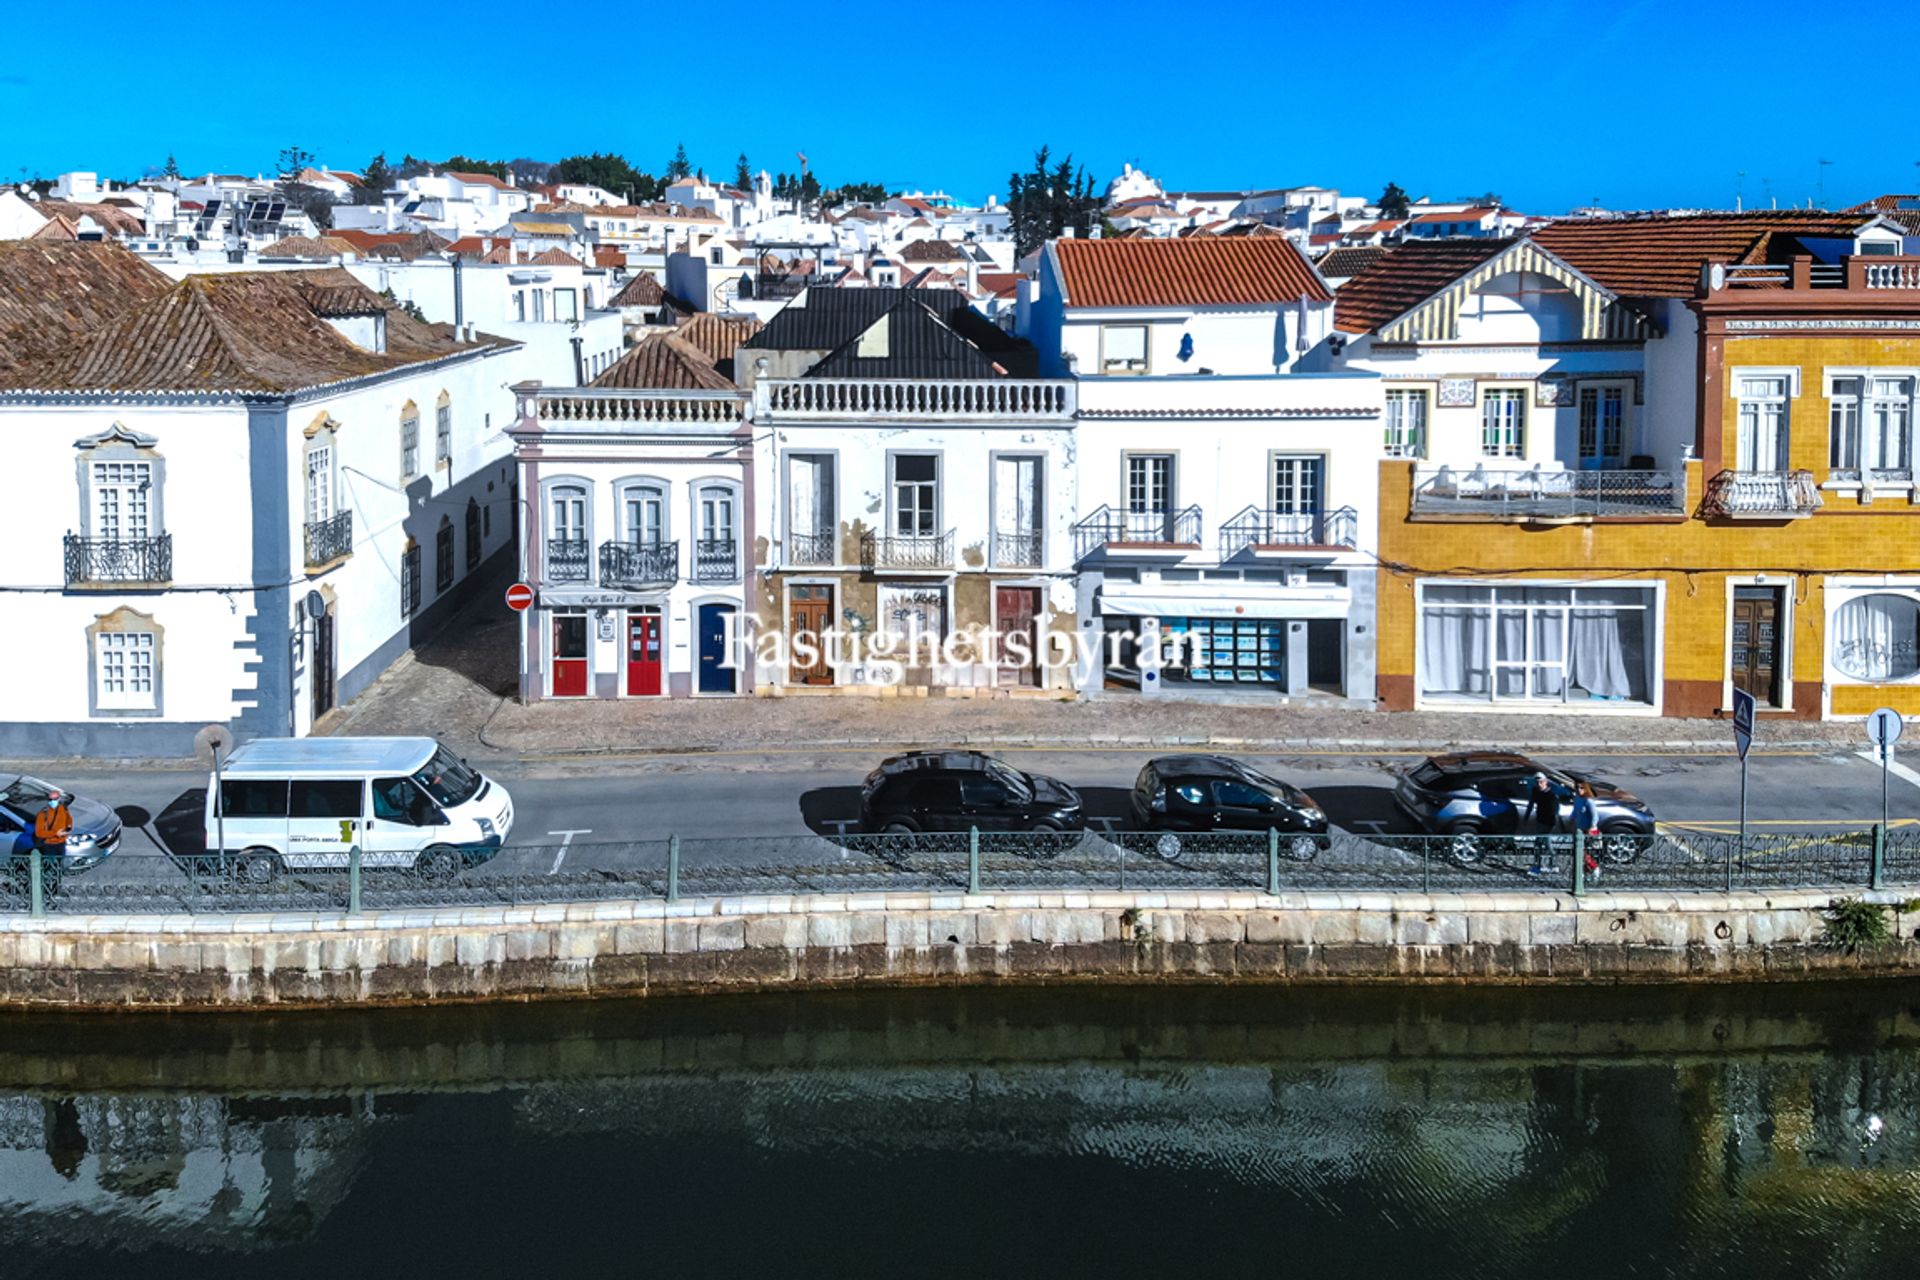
(304,803)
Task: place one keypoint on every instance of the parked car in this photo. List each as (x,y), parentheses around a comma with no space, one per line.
(1484,800)
(1215,793)
(958,790)
(93,838)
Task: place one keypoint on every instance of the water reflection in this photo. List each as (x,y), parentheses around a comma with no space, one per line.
(1489,1134)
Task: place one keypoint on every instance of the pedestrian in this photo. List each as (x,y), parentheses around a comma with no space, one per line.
(1543,815)
(51,826)
(1588,823)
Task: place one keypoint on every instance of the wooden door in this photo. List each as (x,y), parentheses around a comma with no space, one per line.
(1017,610)
(643,655)
(810,613)
(323,663)
(1756,653)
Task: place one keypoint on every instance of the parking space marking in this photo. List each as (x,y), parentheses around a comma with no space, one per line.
(566,838)
(1903,772)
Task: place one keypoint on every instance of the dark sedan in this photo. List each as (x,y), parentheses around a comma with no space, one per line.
(1216,793)
(963,790)
(96,828)
(1480,797)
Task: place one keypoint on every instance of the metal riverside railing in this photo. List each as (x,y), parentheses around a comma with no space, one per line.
(351,880)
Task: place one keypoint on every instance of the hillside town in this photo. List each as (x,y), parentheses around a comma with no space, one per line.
(761,437)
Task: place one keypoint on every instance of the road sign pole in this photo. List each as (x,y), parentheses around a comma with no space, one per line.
(1743,819)
(1886,761)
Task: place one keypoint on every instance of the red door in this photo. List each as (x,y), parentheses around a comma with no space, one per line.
(1018,612)
(569,655)
(643,654)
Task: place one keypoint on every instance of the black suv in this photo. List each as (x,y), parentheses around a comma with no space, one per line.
(1214,793)
(958,790)
(1482,798)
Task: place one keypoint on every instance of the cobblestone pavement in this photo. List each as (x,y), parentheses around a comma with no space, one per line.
(460,686)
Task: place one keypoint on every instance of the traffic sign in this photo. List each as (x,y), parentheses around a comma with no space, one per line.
(1742,721)
(1883,727)
(519,597)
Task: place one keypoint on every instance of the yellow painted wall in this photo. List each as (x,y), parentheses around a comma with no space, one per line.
(1812,354)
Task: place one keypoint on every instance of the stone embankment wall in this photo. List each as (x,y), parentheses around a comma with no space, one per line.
(649,947)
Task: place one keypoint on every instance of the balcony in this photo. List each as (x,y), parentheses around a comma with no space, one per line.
(1137,531)
(639,564)
(1762,495)
(114,561)
(616,408)
(1540,496)
(567,560)
(915,400)
(329,540)
(1285,532)
(909,551)
(716,560)
(1018,550)
(811,548)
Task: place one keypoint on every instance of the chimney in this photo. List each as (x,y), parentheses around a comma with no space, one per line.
(459,299)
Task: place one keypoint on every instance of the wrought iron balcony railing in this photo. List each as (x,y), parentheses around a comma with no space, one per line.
(1762,495)
(329,539)
(1109,527)
(1302,529)
(119,559)
(909,551)
(811,548)
(567,560)
(716,560)
(1539,494)
(639,564)
(1018,550)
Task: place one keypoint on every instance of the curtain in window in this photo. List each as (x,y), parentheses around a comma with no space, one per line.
(1874,637)
(1597,659)
(1453,651)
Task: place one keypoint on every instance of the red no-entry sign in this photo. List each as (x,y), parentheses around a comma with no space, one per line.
(519,597)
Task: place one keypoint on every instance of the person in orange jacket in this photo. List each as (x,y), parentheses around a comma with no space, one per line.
(51,825)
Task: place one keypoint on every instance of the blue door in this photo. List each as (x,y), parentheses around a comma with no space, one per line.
(715,676)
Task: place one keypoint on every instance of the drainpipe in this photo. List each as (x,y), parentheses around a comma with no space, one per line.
(579,363)
(459,300)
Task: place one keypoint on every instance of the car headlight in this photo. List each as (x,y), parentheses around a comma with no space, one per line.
(80,842)
(486,826)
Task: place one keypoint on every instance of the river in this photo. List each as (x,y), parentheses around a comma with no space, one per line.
(1750,1132)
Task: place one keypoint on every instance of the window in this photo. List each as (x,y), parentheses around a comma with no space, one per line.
(399,800)
(644,515)
(1238,795)
(916,493)
(1843,428)
(1296,484)
(1017,505)
(409,442)
(569,504)
(1503,422)
(473,535)
(716,515)
(1602,426)
(410,580)
(1763,424)
(124,668)
(1889,420)
(1150,482)
(324,798)
(1877,248)
(1592,646)
(520,305)
(121,507)
(251,798)
(1877,637)
(1406,424)
(812,513)
(443,430)
(486,521)
(1123,348)
(319,484)
(566,304)
(443,556)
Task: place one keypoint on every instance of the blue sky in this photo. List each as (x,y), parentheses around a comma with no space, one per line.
(1552,104)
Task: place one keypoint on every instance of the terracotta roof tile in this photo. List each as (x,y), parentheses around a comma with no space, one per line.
(1345,264)
(1404,277)
(644,290)
(55,292)
(1204,271)
(1661,257)
(665,361)
(717,337)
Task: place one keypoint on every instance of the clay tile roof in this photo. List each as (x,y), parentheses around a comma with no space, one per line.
(554,258)
(479,180)
(1345,264)
(108,217)
(1204,271)
(1404,277)
(1004,284)
(1458,215)
(1661,257)
(307,247)
(644,290)
(609,255)
(717,337)
(665,361)
(930,251)
(55,292)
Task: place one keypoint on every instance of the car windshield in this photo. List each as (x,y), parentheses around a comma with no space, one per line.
(1014,781)
(25,795)
(447,778)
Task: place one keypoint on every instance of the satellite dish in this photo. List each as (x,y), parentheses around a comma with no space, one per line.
(212,740)
(316,605)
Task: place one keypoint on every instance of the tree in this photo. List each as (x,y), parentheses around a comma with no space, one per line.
(293,160)
(743,173)
(531,172)
(610,173)
(680,167)
(312,201)
(374,181)
(857,193)
(467,164)
(1049,201)
(173,167)
(1393,203)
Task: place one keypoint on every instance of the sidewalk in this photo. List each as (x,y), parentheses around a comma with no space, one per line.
(460,689)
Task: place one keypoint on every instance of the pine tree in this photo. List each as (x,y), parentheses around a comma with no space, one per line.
(1393,203)
(173,167)
(743,173)
(681,167)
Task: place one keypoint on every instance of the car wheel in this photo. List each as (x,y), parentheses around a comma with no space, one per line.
(897,828)
(257,867)
(1465,845)
(1301,846)
(1621,843)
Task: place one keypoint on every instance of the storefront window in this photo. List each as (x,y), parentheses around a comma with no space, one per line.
(1564,645)
(1874,637)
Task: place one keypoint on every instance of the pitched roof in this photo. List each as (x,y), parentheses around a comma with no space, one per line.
(644,290)
(107,216)
(1457,215)
(930,251)
(1405,276)
(53,292)
(1203,271)
(480,180)
(908,340)
(554,258)
(1661,257)
(255,331)
(717,337)
(665,361)
(1005,284)
(1345,264)
(308,247)
(824,319)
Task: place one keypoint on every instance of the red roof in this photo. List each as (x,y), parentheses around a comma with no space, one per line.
(1459,215)
(1383,226)
(1203,271)
(1404,277)
(479,180)
(1661,257)
(1004,284)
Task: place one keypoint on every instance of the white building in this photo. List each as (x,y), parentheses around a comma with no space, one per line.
(450,204)
(256,491)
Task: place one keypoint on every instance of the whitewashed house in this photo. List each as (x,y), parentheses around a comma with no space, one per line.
(252,493)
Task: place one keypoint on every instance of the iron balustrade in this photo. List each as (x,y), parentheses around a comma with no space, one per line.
(1106,526)
(811,548)
(1762,494)
(992,399)
(639,564)
(329,539)
(1257,528)
(908,551)
(567,560)
(1017,550)
(716,560)
(1541,494)
(119,559)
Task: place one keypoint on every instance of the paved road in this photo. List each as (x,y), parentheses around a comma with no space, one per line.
(575,809)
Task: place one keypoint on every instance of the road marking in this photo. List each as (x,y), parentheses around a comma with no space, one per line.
(1721,826)
(566,838)
(1116,749)
(1894,767)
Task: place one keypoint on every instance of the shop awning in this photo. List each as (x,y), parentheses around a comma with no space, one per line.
(1146,603)
(595,598)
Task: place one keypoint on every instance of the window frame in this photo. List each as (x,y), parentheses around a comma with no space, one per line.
(136,633)
(1493,445)
(1390,427)
(443,431)
(1131,368)
(409,441)
(443,555)
(1596,393)
(935,511)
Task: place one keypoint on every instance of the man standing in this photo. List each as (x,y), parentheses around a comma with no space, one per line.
(51,825)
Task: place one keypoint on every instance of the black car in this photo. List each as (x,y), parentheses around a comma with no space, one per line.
(1215,793)
(1480,797)
(961,790)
